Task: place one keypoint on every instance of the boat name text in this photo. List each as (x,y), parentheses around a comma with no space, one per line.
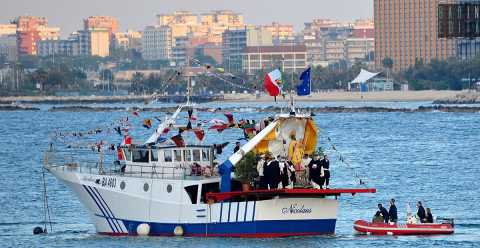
(296,209)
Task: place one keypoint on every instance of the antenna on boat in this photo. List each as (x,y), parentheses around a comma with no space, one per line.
(292,103)
(189,82)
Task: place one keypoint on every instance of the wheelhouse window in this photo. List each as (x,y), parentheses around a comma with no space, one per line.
(209,188)
(167,155)
(196,155)
(140,155)
(154,154)
(177,155)
(187,155)
(192,192)
(205,155)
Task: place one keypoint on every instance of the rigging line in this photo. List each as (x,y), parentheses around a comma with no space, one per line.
(45,204)
(219,77)
(362,180)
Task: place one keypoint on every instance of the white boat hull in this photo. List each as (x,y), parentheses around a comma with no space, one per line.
(164,206)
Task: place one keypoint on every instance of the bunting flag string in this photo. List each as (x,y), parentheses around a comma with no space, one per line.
(342,159)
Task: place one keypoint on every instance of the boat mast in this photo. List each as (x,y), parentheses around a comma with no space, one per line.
(292,103)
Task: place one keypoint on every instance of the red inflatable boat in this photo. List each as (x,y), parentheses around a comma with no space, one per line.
(402,229)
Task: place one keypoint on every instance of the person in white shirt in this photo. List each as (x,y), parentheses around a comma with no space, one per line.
(260,167)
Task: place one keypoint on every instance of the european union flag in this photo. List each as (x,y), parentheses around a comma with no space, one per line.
(303,89)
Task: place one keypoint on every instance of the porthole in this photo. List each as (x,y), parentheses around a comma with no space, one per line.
(122,185)
(145,187)
(169,188)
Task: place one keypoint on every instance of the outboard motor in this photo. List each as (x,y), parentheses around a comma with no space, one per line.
(444,220)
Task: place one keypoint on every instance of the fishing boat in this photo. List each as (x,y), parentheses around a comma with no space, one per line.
(163,189)
(366,227)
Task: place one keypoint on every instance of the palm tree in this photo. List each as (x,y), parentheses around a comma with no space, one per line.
(387,63)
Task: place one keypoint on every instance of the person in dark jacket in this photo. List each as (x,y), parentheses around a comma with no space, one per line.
(326,170)
(429,218)
(384,212)
(392,212)
(272,174)
(421,212)
(314,172)
(377,218)
(284,172)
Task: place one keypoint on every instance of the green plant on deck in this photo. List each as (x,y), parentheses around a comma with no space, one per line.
(246,169)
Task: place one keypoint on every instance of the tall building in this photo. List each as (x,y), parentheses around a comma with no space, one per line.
(213,50)
(222,18)
(334,50)
(94,42)
(127,40)
(96,22)
(326,40)
(214,23)
(359,49)
(181,50)
(407,31)
(234,42)
(210,25)
(259,36)
(8,47)
(68,47)
(8,29)
(281,33)
(157,43)
(288,58)
(30,30)
(363,29)
(180,22)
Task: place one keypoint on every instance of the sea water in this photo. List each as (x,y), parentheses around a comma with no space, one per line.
(433,157)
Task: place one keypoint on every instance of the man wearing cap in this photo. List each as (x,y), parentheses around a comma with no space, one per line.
(392,211)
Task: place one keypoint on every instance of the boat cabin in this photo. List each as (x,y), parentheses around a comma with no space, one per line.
(169,161)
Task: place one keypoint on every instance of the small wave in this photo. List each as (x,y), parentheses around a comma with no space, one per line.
(476,225)
(70,232)
(23,223)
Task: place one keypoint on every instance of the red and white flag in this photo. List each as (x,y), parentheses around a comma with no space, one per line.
(272,82)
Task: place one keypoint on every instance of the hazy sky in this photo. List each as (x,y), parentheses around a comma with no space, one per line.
(68,14)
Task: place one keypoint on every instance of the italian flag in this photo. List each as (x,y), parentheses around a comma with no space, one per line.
(272,83)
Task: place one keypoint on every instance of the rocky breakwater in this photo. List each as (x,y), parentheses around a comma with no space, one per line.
(17,107)
(271,109)
(461,98)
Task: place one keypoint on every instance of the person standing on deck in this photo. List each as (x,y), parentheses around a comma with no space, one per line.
(272,172)
(291,174)
(429,218)
(384,212)
(392,212)
(326,170)
(302,173)
(261,164)
(314,168)
(421,212)
(284,174)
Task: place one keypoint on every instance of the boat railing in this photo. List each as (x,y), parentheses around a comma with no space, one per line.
(65,161)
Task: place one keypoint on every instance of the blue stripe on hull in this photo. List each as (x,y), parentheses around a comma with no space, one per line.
(271,228)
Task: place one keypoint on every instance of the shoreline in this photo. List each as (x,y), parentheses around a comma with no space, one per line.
(378,96)
(345,96)
(314,110)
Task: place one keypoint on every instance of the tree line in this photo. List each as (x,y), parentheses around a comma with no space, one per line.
(70,74)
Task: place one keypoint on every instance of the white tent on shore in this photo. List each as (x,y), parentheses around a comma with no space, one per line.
(362,77)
